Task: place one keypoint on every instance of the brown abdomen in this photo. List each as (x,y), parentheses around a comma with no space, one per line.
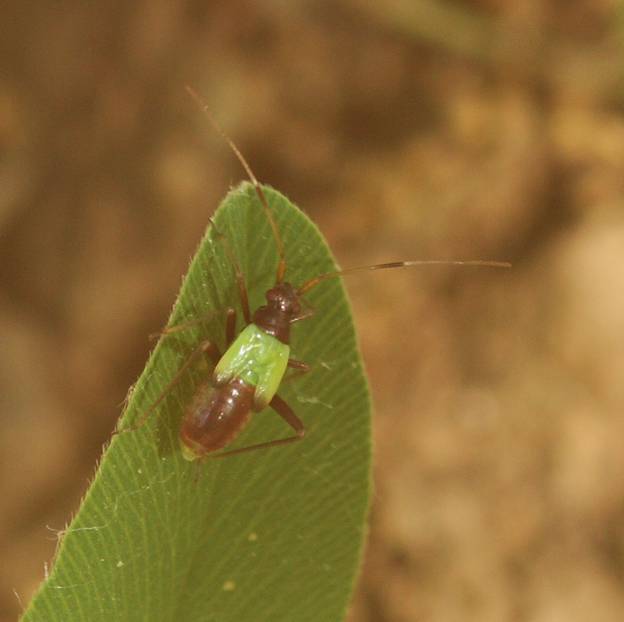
(215,416)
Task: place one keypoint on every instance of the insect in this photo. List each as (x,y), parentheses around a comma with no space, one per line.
(247,376)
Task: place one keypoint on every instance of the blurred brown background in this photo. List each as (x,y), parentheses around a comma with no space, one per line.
(406,129)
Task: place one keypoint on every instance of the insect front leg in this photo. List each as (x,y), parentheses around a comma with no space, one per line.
(288,415)
(307,312)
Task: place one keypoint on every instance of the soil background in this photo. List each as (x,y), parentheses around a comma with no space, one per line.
(490,129)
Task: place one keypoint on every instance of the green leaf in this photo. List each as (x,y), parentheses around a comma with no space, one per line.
(274,534)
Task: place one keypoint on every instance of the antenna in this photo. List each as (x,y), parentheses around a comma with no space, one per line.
(314,281)
(281,266)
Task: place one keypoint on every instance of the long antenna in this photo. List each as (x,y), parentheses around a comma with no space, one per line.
(281,266)
(314,281)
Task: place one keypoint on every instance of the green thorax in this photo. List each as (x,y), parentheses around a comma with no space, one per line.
(257,358)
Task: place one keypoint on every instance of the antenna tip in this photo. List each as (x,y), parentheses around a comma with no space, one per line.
(194,94)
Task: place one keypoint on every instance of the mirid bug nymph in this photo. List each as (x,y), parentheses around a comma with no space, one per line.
(247,376)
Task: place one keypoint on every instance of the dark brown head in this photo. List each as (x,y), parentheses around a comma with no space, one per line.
(282,306)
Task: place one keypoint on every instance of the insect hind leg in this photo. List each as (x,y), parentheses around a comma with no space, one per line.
(205,347)
(288,415)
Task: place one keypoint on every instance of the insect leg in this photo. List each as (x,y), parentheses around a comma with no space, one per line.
(300,365)
(177,328)
(300,368)
(288,415)
(230,327)
(307,312)
(205,347)
(240,279)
